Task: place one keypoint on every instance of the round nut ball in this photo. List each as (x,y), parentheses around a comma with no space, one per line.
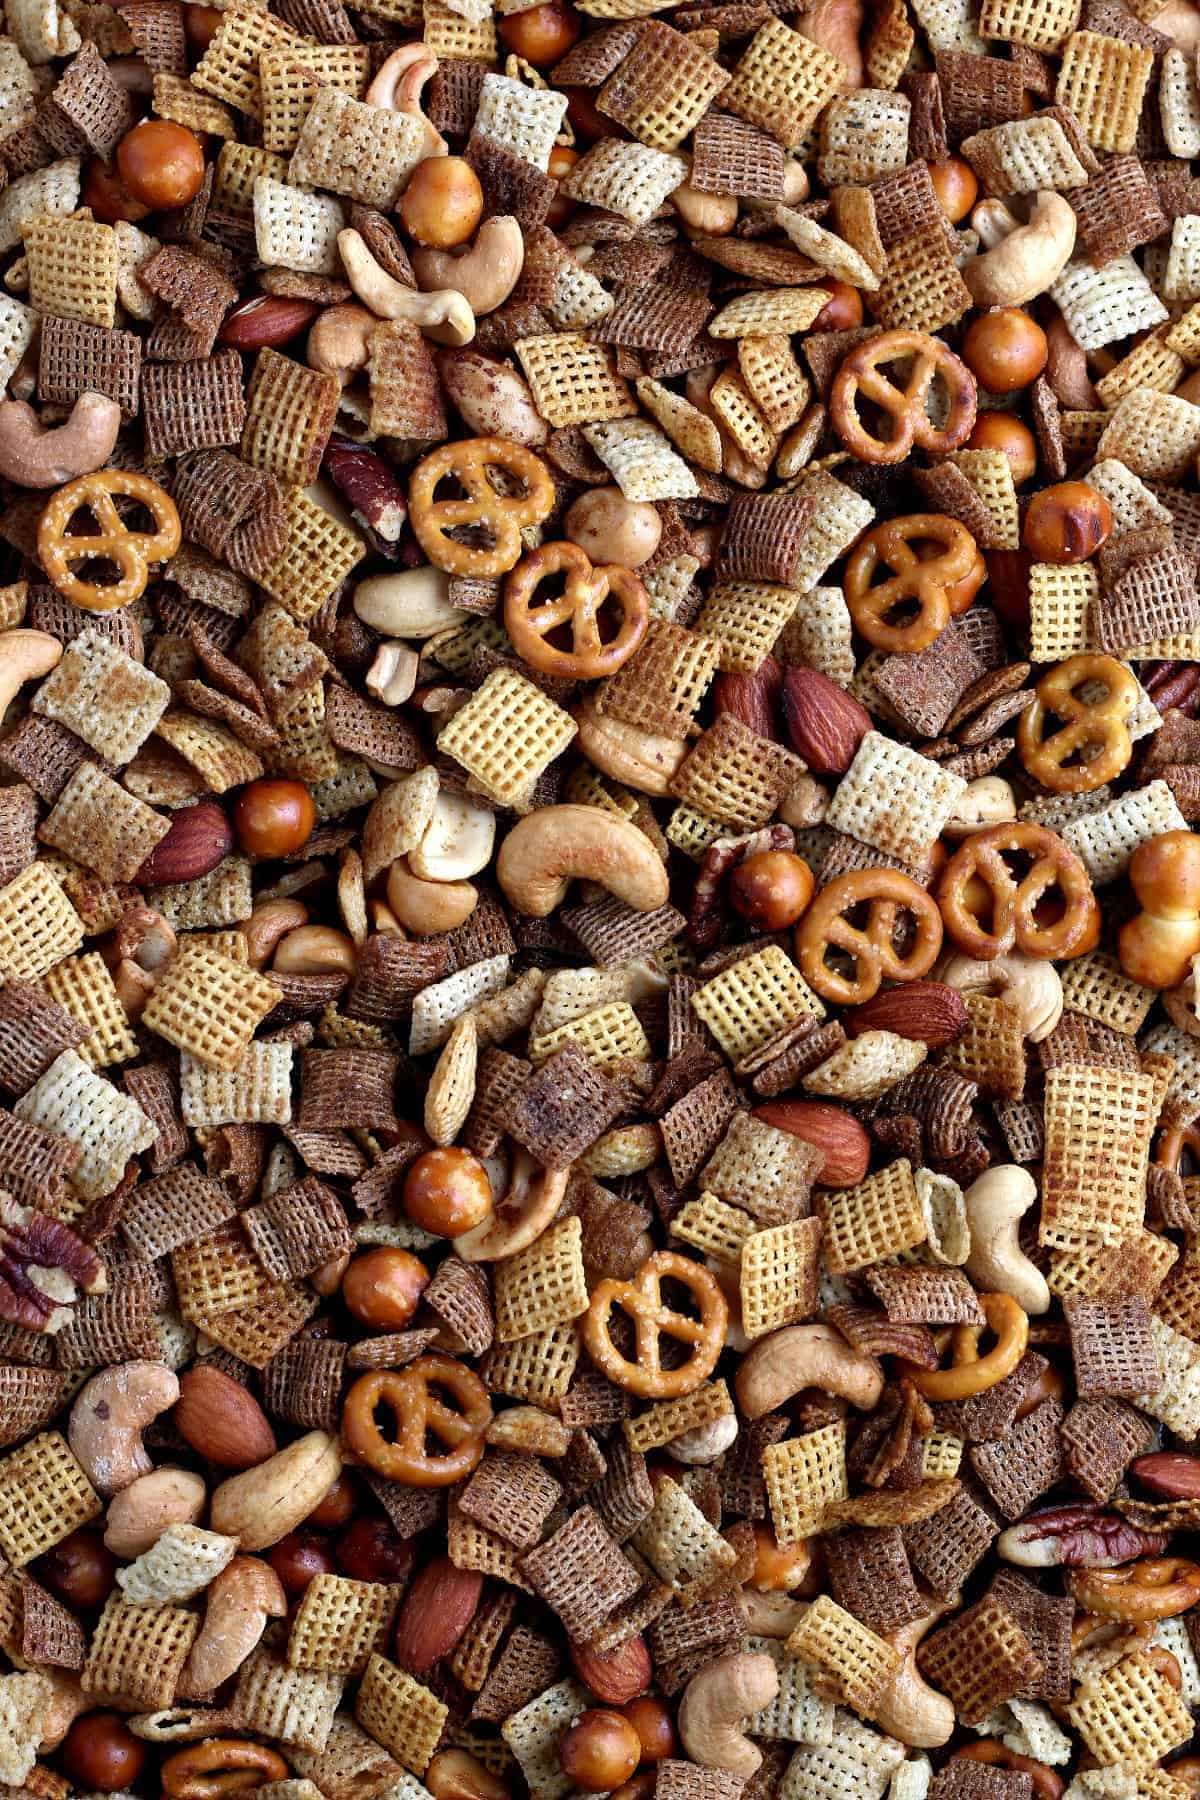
(611,529)
(443,203)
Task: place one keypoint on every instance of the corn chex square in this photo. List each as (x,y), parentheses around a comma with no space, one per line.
(782,82)
(209,1005)
(749,1002)
(506,734)
(1103,81)
(803,1476)
(572,380)
(364,152)
(895,799)
(880,1217)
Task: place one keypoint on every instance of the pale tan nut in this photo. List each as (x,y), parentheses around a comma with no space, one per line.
(549,849)
(704,215)
(485,273)
(239,1602)
(456,843)
(530,1202)
(144,936)
(1029,983)
(445,316)
(428,908)
(457,1775)
(262,1505)
(270,921)
(339,341)
(705,1443)
(996,1204)
(771,1615)
(717,1704)
(836,25)
(66,1701)
(108,1418)
(25,656)
(315,950)
(412,604)
(392,677)
(35,458)
(493,399)
(911,1710)
(644,760)
(1026,259)
(802,1356)
(133,988)
(140,1513)
(399,84)
(989,800)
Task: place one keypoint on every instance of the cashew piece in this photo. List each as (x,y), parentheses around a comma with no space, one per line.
(398,87)
(1025,262)
(140,1513)
(532,1199)
(428,907)
(339,340)
(803,1356)
(910,1709)
(392,677)
(704,1443)
(270,922)
(996,1204)
(547,850)
(108,1417)
(644,760)
(716,1704)
(445,317)
(485,274)
(24,656)
(243,1597)
(43,459)
(771,1615)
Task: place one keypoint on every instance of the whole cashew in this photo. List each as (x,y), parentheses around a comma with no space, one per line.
(140,1513)
(35,458)
(644,760)
(243,1597)
(1029,983)
(108,1417)
(547,850)
(718,1702)
(268,924)
(339,340)
(428,907)
(263,1504)
(398,87)
(533,1197)
(910,1709)
(494,400)
(24,656)
(996,1204)
(803,1356)
(445,317)
(1027,259)
(485,274)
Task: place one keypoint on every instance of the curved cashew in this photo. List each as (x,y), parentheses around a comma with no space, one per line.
(268,925)
(546,851)
(1029,983)
(485,274)
(718,1702)
(1027,259)
(108,1417)
(44,459)
(771,1615)
(445,317)
(24,656)
(533,1198)
(803,1356)
(1067,369)
(910,1709)
(398,87)
(243,1597)
(339,340)
(263,1504)
(644,760)
(995,1205)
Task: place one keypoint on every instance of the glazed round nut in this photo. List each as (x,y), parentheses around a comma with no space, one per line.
(37,458)
(1030,983)
(485,274)
(529,1204)
(988,801)
(218,1767)
(238,1604)
(315,950)
(109,1415)
(141,1512)
(547,850)
(611,529)
(799,1356)
(270,922)
(996,1203)
(717,1705)
(262,1505)
(1024,260)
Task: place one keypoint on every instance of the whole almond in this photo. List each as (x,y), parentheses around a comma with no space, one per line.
(615,1675)
(200,837)
(1171,1474)
(825,724)
(753,699)
(265,321)
(222,1420)
(927,1012)
(831,1129)
(437,1609)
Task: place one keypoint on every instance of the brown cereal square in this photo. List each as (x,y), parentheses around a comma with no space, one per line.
(193,405)
(870,1576)
(694,1126)
(512,1496)
(562,1108)
(948,1545)
(581,1574)
(297,1229)
(1112,1347)
(979,1659)
(74,358)
(1023,1465)
(1046,1620)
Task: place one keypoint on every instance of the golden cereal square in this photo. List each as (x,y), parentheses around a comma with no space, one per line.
(1098,1125)
(506,734)
(1130,1713)
(572,380)
(1103,80)
(400,1713)
(880,1217)
(803,1476)
(137,1654)
(83,986)
(38,924)
(340,1622)
(72,268)
(210,1006)
(748,1003)
(782,82)
(44,1497)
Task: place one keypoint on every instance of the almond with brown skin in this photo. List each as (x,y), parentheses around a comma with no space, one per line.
(200,837)
(831,1129)
(1169,1474)
(754,699)
(615,1675)
(437,1609)
(926,1012)
(825,724)
(222,1420)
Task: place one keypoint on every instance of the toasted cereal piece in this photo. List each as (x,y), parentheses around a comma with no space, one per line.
(137,1654)
(980,1658)
(895,799)
(782,82)
(839,517)
(581,1573)
(690,430)
(178,1566)
(1105,840)
(84,988)
(1130,1713)
(864,136)
(533,1732)
(339,1624)
(641,460)
(1024,156)
(506,735)
(1061,603)
(229,67)
(768,1172)
(1040,24)
(72,1101)
(209,1006)
(779,1275)
(1177,1401)
(542,1286)
(630,179)
(679,1543)
(256,1090)
(72,268)
(880,1217)
(1103,82)
(853,1660)
(1098,1128)
(44,1496)
(803,1476)
(296,1706)
(294,229)
(1101,305)
(112,702)
(748,1002)
(289,84)
(1097,986)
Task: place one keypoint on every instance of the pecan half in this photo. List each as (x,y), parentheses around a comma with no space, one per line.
(44,1267)
(1082,1536)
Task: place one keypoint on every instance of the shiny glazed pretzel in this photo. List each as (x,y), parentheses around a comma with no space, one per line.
(131,551)
(653,1319)
(969,1372)
(408,1394)
(579,607)
(887,895)
(862,373)
(1090,723)
(979,863)
(928,581)
(501,516)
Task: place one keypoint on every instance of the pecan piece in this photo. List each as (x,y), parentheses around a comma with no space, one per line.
(1080,1536)
(372,489)
(44,1267)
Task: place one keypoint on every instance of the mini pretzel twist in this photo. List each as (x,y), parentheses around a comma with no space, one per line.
(653,1319)
(131,551)
(904,405)
(579,608)
(889,896)
(501,516)
(1015,900)
(1098,725)
(926,580)
(1154,1587)
(408,1395)
(971,1373)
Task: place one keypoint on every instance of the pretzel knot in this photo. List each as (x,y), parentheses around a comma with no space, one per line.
(970,1373)
(929,556)
(904,404)
(890,897)
(409,1394)
(978,879)
(579,608)
(501,516)
(1155,1587)
(1093,724)
(641,1299)
(131,551)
